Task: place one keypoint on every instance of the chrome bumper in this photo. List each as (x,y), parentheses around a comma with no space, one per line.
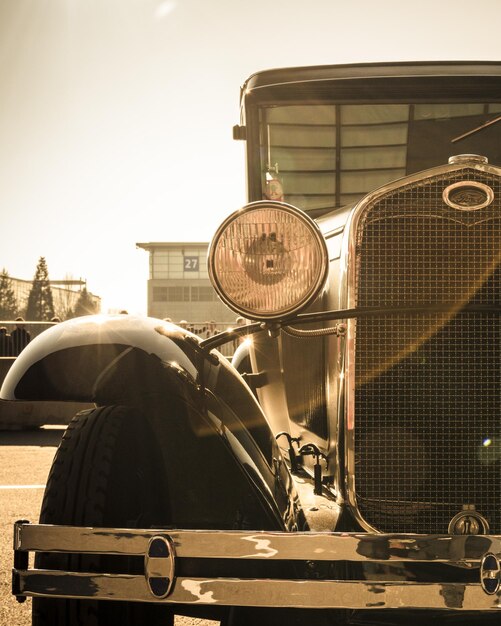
(161,550)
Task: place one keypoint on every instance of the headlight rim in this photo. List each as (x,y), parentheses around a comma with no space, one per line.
(313,291)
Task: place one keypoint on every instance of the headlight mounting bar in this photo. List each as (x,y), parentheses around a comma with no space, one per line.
(452,308)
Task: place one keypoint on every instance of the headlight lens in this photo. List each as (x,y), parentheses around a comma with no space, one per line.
(268,260)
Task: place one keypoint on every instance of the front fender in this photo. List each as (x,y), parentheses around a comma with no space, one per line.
(206,419)
(68,361)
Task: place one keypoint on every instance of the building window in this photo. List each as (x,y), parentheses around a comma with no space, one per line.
(202,294)
(159,294)
(183,293)
(178,294)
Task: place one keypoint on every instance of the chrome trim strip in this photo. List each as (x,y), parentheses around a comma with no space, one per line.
(261,545)
(312,594)
(334,232)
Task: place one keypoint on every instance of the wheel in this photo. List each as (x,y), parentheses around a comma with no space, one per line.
(107,472)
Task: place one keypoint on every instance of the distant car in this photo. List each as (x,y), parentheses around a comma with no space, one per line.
(346,469)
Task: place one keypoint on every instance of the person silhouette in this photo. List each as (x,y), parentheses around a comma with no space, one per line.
(19,337)
(5,342)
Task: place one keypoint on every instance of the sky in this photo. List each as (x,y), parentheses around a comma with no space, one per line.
(116,115)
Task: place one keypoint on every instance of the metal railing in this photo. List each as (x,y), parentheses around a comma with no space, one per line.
(9,349)
(13,342)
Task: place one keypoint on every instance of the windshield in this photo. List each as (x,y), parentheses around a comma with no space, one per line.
(322,156)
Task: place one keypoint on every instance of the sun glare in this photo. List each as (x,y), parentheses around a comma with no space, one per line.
(165,8)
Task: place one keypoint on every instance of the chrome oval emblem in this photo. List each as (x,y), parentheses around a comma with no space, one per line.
(468,522)
(490,573)
(159,566)
(468,196)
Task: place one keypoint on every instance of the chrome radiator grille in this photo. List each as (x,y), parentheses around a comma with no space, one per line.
(427,399)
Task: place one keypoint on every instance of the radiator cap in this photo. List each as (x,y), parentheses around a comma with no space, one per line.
(467,158)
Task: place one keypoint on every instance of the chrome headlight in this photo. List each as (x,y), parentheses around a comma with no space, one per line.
(268,260)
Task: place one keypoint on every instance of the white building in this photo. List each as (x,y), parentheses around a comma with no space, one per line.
(65,294)
(179,287)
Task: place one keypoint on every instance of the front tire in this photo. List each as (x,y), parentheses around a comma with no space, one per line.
(108,471)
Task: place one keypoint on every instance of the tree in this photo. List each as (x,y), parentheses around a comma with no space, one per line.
(9,307)
(40,303)
(85,304)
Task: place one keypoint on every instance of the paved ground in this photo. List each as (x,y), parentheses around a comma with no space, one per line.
(25,459)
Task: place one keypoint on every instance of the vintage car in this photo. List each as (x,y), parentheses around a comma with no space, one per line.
(345,467)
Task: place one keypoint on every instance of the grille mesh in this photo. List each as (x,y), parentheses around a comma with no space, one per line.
(427,407)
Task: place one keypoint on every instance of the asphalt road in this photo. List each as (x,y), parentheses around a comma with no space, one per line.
(25,459)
